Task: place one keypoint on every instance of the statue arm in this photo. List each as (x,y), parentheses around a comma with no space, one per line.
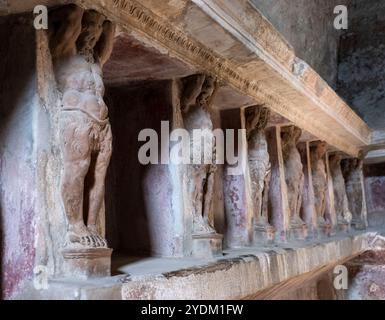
(64,38)
(103,48)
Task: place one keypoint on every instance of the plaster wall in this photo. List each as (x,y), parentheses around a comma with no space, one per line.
(17,167)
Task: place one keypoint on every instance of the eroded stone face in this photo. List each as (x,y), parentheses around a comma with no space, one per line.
(81,42)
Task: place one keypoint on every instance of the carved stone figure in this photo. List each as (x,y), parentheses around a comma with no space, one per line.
(294,175)
(259,163)
(81,42)
(340,198)
(196,96)
(352,172)
(319,176)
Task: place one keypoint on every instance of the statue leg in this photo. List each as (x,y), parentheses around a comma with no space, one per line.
(292,198)
(75,147)
(257,192)
(265,199)
(299,199)
(208,191)
(97,188)
(323,205)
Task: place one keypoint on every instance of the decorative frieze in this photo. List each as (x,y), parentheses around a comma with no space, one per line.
(133,16)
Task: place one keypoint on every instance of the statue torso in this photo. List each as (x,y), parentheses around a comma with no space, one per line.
(197,118)
(258,150)
(82,86)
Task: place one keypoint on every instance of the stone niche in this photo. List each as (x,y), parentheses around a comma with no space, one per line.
(375,190)
(140,198)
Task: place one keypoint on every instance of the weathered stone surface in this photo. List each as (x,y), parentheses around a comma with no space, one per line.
(87,263)
(207,245)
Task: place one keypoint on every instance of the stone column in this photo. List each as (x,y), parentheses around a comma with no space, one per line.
(308,212)
(354,180)
(278,201)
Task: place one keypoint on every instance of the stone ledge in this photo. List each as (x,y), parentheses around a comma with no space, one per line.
(63,289)
(238,274)
(244,272)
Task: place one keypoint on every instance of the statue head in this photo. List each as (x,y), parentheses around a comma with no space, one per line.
(357,163)
(92,28)
(290,136)
(335,160)
(196,90)
(256,118)
(207,91)
(320,149)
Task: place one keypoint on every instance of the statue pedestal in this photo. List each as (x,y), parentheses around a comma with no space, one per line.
(325,230)
(298,231)
(359,224)
(207,245)
(85,263)
(343,226)
(263,235)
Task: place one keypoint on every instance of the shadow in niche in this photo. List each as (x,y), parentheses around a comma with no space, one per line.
(132,107)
